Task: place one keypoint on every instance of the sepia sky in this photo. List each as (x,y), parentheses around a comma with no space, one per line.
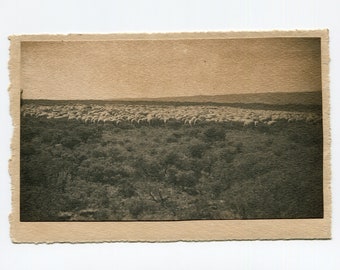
(163,68)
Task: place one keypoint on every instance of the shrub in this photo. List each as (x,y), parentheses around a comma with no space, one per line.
(27,149)
(228,155)
(127,190)
(70,142)
(136,208)
(84,133)
(186,178)
(197,150)
(101,214)
(214,134)
(170,175)
(171,139)
(171,158)
(239,147)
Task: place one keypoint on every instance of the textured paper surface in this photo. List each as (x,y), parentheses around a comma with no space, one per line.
(206,230)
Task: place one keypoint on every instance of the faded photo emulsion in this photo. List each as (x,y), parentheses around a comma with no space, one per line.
(171,130)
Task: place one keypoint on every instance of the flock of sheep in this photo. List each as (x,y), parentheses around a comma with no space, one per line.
(148,114)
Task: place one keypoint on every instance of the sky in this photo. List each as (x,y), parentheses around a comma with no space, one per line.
(164,68)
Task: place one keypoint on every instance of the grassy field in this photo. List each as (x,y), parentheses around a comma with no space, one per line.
(72,170)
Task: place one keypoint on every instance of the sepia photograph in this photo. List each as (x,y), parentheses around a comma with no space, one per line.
(169,129)
(169,135)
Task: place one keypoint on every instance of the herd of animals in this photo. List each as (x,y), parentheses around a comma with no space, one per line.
(117,114)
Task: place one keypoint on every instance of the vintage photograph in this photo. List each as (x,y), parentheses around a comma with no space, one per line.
(166,130)
(167,137)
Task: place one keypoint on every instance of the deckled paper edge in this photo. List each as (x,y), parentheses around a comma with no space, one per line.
(84,232)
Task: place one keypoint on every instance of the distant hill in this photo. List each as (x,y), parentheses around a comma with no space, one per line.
(296,98)
(297,101)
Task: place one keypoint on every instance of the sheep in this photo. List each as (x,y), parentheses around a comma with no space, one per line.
(248,122)
(190,115)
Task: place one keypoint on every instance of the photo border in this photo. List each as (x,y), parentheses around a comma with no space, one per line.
(166,231)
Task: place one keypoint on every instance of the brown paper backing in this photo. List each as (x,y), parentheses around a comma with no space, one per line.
(207,230)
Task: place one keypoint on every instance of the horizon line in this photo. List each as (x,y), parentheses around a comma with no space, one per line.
(165,97)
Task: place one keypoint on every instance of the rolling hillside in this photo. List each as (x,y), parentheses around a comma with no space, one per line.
(303,98)
(296,101)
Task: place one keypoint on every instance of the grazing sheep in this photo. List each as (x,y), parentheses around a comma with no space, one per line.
(248,122)
(191,115)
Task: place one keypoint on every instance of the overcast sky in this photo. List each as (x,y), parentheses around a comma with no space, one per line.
(158,68)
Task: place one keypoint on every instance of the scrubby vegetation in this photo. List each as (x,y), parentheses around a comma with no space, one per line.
(72,170)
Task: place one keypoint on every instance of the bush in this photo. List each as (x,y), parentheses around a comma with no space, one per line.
(136,208)
(84,133)
(27,149)
(172,139)
(197,150)
(70,142)
(127,190)
(228,155)
(214,134)
(186,178)
(171,158)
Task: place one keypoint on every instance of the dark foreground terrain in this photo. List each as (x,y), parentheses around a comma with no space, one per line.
(72,170)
